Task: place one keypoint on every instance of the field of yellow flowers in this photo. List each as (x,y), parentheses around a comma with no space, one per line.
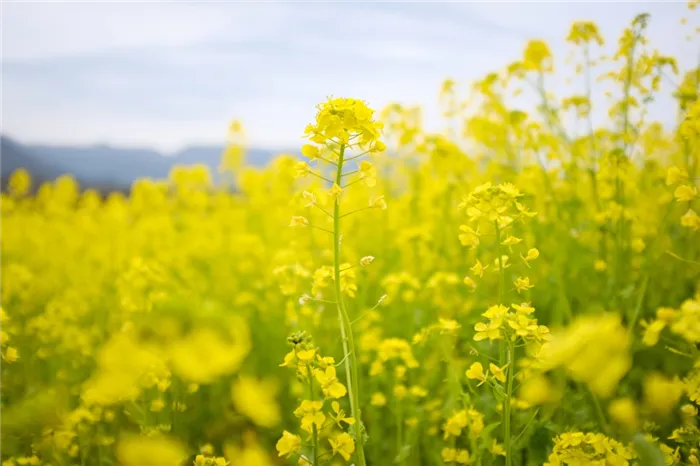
(508,292)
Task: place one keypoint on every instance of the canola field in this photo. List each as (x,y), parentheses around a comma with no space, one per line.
(520,289)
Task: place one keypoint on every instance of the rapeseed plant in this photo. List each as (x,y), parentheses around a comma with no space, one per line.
(552,316)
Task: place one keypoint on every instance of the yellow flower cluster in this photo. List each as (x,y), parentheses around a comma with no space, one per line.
(345,121)
(319,375)
(684,322)
(511,323)
(575,448)
(469,419)
(143,327)
(594,350)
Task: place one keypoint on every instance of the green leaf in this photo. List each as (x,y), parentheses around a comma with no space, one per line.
(649,453)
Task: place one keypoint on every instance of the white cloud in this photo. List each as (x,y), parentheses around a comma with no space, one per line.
(169,74)
(53,30)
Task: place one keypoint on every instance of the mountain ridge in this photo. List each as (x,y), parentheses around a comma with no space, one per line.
(105,167)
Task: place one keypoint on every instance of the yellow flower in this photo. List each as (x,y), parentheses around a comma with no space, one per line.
(685,193)
(20,182)
(462,457)
(532,254)
(511,241)
(523,308)
(378,399)
(257,400)
(476,372)
(689,411)
(343,445)
(676,175)
(600,265)
(638,245)
(624,412)
(201,460)
(469,237)
(330,385)
(522,284)
(470,283)
(523,325)
(288,444)
(537,56)
(335,190)
(368,173)
(301,169)
(536,390)
(594,349)
(11,354)
(206,354)
(339,415)
(149,451)
(661,394)
(251,453)
(478,268)
(691,220)
(157,405)
(342,119)
(496,448)
(298,221)
(366,260)
(309,150)
(378,203)
(652,332)
(504,261)
(306,356)
(311,414)
(583,32)
(498,372)
(448,454)
(309,198)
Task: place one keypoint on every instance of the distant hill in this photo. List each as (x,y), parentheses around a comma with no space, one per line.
(13,156)
(107,167)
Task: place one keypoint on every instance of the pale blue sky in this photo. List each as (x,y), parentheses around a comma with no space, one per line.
(169,74)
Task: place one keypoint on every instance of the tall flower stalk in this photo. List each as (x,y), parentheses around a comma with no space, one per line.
(513,325)
(344,131)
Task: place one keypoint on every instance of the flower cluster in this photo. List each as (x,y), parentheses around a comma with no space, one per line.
(469,419)
(320,414)
(594,349)
(345,121)
(684,191)
(141,326)
(684,322)
(511,323)
(575,448)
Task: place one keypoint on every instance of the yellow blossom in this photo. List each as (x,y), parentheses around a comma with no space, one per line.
(476,372)
(298,221)
(330,385)
(498,372)
(343,445)
(289,444)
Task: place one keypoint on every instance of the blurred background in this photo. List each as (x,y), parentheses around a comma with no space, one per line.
(110,92)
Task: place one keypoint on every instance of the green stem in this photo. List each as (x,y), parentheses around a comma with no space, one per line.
(501,271)
(399,431)
(602,422)
(314,433)
(619,187)
(349,353)
(501,283)
(506,408)
(640,301)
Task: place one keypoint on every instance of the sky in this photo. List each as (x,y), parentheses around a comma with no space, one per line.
(171,74)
